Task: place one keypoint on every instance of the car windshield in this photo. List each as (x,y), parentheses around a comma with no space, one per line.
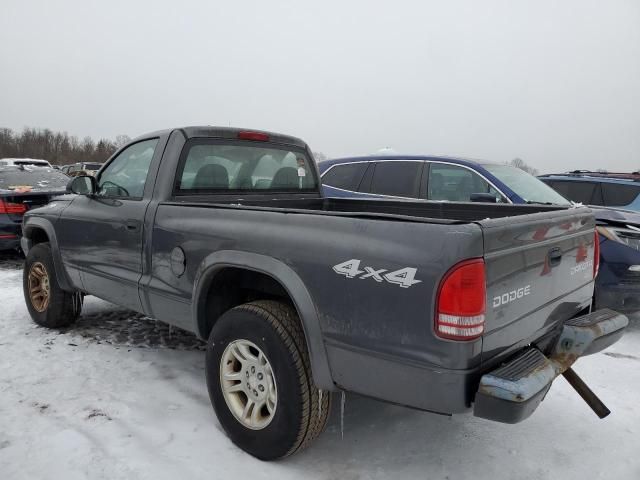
(525,185)
(92,166)
(28,178)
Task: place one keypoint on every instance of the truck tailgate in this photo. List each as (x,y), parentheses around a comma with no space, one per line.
(539,271)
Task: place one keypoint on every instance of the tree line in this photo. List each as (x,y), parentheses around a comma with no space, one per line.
(59,148)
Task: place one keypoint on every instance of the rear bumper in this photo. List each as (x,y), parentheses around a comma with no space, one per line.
(513,391)
(9,243)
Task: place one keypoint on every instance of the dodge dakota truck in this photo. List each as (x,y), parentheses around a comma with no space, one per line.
(443,307)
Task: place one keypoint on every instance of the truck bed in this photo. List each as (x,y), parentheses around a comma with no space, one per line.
(434,212)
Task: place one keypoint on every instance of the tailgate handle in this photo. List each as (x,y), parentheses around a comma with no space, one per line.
(555,256)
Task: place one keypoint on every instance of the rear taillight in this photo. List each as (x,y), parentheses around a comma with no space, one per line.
(13,208)
(596,254)
(461,301)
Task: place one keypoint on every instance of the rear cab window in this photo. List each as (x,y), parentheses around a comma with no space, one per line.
(214,166)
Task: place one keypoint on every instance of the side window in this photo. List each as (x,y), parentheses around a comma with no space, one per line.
(457,184)
(581,192)
(346,177)
(215,168)
(126,175)
(397,179)
(616,195)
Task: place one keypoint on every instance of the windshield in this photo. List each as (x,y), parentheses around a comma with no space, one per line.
(525,185)
(28,179)
(92,166)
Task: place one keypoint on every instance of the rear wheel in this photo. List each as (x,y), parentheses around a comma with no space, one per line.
(259,380)
(48,305)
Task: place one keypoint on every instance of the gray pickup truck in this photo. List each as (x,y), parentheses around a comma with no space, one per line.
(443,307)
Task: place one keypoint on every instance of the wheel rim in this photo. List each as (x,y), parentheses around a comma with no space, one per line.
(39,287)
(248,384)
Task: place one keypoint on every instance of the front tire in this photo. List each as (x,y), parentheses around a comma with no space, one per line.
(48,304)
(259,380)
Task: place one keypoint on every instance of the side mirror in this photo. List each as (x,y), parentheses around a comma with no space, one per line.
(82,185)
(483,198)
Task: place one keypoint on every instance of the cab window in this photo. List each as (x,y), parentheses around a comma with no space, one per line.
(126,175)
(213,167)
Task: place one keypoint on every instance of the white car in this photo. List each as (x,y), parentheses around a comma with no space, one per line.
(34,162)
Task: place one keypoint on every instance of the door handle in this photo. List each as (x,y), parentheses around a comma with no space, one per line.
(132,226)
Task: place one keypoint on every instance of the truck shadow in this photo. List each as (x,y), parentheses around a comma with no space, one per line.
(121,327)
(11,260)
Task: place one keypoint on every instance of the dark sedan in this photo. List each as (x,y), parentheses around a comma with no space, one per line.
(23,188)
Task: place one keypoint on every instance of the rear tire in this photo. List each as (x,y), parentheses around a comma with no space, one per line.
(265,334)
(48,304)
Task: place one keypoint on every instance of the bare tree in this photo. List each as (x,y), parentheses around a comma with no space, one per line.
(519,163)
(58,147)
(320,157)
(121,140)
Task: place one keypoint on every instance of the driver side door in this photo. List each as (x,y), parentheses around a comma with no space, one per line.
(102,234)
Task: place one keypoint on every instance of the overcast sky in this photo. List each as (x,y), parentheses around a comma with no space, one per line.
(556,83)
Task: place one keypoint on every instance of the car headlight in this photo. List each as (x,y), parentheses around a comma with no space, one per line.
(630,236)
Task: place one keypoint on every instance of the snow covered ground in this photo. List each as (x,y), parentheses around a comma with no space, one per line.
(121,397)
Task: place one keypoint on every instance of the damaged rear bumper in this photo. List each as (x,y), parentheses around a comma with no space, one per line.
(512,392)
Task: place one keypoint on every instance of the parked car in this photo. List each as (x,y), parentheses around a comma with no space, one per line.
(83,168)
(458,180)
(433,178)
(442,307)
(617,190)
(618,283)
(23,188)
(34,162)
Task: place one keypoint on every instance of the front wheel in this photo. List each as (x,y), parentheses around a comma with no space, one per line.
(48,304)
(259,380)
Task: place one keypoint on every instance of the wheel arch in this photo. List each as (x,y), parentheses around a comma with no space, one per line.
(287,279)
(40,230)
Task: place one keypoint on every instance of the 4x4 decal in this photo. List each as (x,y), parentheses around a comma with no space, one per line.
(405,277)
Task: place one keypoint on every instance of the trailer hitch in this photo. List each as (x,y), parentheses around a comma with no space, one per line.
(586,393)
(513,391)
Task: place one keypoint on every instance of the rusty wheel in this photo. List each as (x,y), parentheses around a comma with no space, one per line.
(49,305)
(39,287)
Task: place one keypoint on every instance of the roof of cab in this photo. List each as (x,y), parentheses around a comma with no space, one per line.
(207,131)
